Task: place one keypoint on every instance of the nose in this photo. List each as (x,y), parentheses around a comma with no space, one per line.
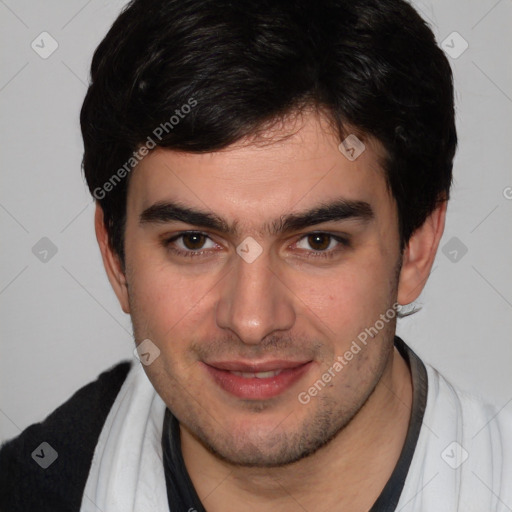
(254,302)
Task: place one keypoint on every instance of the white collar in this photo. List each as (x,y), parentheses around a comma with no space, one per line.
(127,472)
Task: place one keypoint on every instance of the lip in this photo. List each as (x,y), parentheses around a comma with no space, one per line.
(255,388)
(254,367)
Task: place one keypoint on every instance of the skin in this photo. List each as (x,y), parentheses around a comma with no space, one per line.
(290,303)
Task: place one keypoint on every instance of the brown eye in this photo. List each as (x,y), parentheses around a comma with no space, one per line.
(194,241)
(319,241)
(190,243)
(322,245)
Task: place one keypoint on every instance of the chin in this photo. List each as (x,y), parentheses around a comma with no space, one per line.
(275,449)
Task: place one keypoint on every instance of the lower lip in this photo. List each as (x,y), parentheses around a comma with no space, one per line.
(253,388)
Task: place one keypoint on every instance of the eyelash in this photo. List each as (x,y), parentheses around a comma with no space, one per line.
(167,243)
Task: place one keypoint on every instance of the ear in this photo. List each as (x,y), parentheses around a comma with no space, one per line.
(111,261)
(419,255)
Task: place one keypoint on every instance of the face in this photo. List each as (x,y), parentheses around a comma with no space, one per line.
(252,269)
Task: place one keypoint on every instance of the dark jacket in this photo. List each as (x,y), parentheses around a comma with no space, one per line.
(71,432)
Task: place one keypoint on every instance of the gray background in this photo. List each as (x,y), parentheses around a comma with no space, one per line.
(60,323)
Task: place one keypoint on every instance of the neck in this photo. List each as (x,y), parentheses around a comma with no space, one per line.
(362,456)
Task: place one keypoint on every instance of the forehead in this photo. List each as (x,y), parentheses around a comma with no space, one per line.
(288,168)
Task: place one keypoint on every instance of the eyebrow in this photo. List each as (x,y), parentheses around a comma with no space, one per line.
(164,212)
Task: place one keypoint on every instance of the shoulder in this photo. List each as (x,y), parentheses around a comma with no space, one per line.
(46,466)
(476,414)
(467,442)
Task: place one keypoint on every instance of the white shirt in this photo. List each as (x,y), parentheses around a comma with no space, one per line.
(463,458)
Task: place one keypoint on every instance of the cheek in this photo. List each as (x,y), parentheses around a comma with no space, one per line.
(164,301)
(351,297)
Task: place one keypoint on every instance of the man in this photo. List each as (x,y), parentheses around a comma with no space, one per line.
(271,182)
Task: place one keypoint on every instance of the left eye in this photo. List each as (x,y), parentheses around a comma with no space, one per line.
(320,242)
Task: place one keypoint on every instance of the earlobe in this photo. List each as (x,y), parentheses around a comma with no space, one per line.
(419,255)
(111,261)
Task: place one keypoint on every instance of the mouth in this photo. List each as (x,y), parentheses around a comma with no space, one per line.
(256,381)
